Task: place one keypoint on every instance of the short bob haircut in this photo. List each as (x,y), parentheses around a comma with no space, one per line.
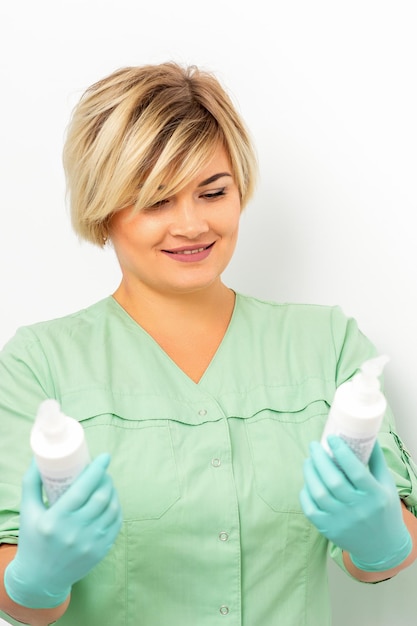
(141,134)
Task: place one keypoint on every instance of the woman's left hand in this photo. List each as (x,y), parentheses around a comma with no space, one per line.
(355,506)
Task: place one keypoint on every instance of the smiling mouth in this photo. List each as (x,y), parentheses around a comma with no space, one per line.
(190,251)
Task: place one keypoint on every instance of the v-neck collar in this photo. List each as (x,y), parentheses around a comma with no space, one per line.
(136,327)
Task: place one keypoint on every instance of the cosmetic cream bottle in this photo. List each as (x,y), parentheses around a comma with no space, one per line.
(60,450)
(358,409)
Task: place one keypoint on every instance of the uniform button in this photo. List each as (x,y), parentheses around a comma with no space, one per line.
(223,536)
(216,462)
(224,610)
(202,412)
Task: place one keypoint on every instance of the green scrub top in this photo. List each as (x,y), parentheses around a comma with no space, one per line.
(208,473)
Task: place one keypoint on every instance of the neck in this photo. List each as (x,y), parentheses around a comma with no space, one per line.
(151,308)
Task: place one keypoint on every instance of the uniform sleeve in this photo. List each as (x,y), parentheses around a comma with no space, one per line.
(24,376)
(353,347)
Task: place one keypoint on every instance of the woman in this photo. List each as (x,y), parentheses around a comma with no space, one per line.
(206,400)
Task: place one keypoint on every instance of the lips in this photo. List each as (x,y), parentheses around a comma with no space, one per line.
(190,254)
(189,249)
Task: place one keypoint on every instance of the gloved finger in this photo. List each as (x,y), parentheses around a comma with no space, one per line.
(310,510)
(32,487)
(378,466)
(99,501)
(307,503)
(331,475)
(112,518)
(318,492)
(85,485)
(107,535)
(105,529)
(357,473)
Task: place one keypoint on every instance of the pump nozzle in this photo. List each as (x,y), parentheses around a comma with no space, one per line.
(366,383)
(50,418)
(374,367)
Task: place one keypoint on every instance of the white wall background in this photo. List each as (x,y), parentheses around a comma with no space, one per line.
(328,89)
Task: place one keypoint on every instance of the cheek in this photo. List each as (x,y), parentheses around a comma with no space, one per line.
(229,216)
(131,232)
(230,235)
(126,242)
(233,223)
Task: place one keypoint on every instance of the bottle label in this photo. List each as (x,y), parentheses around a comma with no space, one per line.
(55,486)
(361,447)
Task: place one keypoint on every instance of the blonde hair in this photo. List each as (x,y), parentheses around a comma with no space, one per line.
(144,128)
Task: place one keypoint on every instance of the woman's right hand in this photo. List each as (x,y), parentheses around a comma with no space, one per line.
(61,544)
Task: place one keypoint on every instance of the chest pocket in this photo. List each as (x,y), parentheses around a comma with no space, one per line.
(278,442)
(142,466)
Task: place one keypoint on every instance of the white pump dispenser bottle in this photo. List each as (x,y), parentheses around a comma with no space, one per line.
(358,409)
(59,447)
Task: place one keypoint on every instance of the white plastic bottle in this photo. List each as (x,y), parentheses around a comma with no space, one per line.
(59,447)
(358,409)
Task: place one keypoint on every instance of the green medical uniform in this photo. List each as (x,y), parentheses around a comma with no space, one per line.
(208,473)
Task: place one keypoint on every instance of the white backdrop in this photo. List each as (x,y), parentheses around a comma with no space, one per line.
(328,89)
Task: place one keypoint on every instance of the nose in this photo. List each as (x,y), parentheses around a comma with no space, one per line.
(189,219)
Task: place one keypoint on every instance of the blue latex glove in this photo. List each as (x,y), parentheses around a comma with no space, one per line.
(354,506)
(61,544)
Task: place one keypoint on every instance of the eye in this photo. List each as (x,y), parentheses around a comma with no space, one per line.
(214,194)
(157,205)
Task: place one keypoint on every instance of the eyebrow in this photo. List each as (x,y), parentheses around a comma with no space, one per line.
(213,178)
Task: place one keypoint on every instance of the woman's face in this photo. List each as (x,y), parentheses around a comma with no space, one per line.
(183,243)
